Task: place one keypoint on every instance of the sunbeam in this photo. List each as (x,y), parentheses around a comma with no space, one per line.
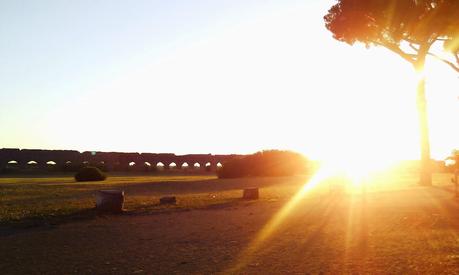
(278,219)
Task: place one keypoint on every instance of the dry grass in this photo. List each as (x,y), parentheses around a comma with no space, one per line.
(397,228)
(35,199)
(25,199)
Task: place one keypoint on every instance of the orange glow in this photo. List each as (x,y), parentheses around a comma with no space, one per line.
(267,231)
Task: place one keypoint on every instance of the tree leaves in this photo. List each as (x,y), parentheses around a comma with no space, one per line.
(390,23)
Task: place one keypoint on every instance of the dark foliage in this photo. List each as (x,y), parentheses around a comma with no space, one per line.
(273,163)
(90,174)
(408,28)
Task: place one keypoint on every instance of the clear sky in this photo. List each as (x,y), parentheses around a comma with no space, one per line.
(207,77)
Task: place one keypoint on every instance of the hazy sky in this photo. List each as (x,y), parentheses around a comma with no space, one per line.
(206,77)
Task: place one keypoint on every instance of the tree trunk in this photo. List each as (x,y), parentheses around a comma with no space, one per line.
(425,169)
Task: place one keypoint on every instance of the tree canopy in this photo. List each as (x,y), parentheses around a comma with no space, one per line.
(407,27)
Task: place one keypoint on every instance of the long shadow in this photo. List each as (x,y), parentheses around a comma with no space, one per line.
(147,188)
(44,223)
(9,228)
(159,211)
(164,187)
(199,186)
(168,187)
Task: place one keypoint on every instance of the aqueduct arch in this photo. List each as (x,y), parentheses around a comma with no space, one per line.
(61,159)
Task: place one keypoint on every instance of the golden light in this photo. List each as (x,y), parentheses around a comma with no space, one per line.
(358,159)
(277,220)
(353,171)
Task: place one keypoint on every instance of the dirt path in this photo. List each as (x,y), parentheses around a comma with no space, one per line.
(411,231)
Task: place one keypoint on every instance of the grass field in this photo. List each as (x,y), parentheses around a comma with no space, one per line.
(25,200)
(33,200)
(398,227)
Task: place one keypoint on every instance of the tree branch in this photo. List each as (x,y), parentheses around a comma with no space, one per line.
(432,40)
(449,63)
(396,49)
(413,47)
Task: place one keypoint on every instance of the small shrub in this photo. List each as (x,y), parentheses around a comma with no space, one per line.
(90,174)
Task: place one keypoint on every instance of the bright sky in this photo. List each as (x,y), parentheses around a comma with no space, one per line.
(208,77)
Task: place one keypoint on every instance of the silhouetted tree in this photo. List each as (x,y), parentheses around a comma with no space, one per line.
(272,163)
(409,28)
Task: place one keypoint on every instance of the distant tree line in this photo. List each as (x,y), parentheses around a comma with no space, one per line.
(272,163)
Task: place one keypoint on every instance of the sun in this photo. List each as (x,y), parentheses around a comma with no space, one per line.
(355,165)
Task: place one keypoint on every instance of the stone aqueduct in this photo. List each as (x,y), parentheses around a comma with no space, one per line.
(25,158)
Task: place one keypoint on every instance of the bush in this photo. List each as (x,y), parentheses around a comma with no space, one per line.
(452,162)
(273,163)
(90,174)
